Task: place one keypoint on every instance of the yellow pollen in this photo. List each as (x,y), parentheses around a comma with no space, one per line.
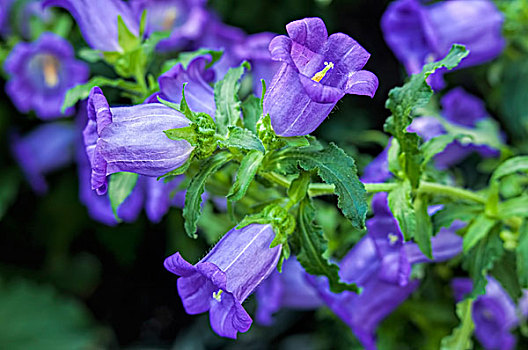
(392,238)
(170,17)
(50,67)
(218,295)
(320,75)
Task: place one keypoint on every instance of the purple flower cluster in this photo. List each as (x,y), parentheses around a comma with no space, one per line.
(419,33)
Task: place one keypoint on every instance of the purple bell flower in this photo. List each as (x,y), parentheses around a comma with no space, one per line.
(317,71)
(185,19)
(418,33)
(458,108)
(131,139)
(99,207)
(41,74)
(198,93)
(288,289)
(494,314)
(224,278)
(381,263)
(47,148)
(97,20)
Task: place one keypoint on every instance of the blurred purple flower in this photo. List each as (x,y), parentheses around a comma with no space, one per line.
(45,149)
(378,169)
(198,93)
(224,278)
(418,33)
(131,139)
(494,314)
(41,73)
(97,20)
(185,19)
(317,71)
(5,7)
(381,263)
(287,289)
(458,108)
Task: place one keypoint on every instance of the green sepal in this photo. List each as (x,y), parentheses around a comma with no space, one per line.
(126,39)
(460,337)
(120,186)
(252,112)
(226,98)
(179,170)
(403,100)
(193,199)
(313,247)
(241,138)
(296,141)
(265,133)
(401,206)
(299,187)
(187,133)
(245,175)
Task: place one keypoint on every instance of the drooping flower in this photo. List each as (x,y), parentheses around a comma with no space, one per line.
(460,109)
(99,207)
(494,314)
(185,19)
(131,139)
(40,74)
(381,263)
(317,71)
(198,93)
(97,20)
(47,148)
(419,33)
(224,278)
(286,289)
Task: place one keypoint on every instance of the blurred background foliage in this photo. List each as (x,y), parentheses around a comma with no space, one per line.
(67,282)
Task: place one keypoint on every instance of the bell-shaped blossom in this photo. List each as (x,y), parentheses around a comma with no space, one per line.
(47,148)
(419,33)
(224,278)
(493,313)
(97,20)
(381,263)
(198,92)
(131,139)
(286,289)
(41,73)
(317,71)
(184,19)
(460,109)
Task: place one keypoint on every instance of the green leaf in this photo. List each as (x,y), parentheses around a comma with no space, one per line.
(424,227)
(81,92)
(477,230)
(126,39)
(511,166)
(185,58)
(299,187)
(226,98)
(480,260)
(485,132)
(245,175)
(313,246)
(193,199)
(241,138)
(435,145)
(403,100)
(517,206)
(522,255)
(252,111)
(335,167)
(35,316)
(401,206)
(460,338)
(455,211)
(119,188)
(296,141)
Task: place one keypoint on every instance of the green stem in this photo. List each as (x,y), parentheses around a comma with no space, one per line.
(320,189)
